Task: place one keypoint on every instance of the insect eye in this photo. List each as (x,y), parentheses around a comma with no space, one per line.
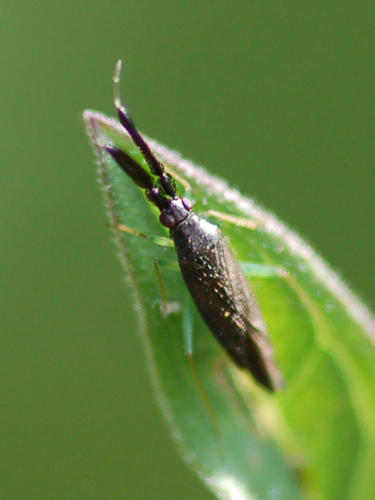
(167,220)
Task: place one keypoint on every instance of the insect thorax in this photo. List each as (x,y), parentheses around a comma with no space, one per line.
(195,238)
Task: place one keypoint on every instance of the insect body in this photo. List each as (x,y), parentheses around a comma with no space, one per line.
(212,275)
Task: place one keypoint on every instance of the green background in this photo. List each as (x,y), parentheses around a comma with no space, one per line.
(276,96)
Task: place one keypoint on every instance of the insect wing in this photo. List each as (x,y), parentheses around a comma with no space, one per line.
(224,299)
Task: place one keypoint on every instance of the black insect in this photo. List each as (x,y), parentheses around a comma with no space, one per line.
(212,274)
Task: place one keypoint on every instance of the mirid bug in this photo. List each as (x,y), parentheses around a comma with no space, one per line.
(211,273)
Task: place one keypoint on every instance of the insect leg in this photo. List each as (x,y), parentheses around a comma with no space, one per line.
(162,288)
(164,242)
(167,307)
(158,240)
(237,221)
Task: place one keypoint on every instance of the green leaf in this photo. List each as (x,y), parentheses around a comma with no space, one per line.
(315,439)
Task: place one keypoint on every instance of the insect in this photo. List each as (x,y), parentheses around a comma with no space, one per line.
(211,272)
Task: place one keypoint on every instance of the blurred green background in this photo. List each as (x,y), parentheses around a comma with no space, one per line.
(276,96)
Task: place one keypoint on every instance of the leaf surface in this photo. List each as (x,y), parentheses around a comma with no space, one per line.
(315,439)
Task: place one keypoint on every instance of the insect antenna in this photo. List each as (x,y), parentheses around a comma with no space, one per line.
(157,168)
(160,187)
(136,172)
